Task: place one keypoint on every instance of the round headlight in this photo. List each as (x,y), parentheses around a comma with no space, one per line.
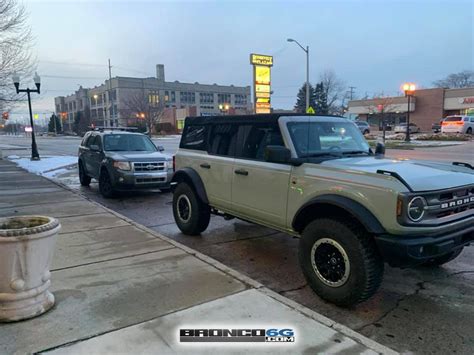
(416,208)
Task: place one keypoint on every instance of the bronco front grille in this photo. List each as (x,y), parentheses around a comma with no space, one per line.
(149,167)
(450,202)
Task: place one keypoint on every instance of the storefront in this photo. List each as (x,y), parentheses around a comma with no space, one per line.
(428,106)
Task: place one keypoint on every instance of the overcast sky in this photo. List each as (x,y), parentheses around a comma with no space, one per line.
(372,45)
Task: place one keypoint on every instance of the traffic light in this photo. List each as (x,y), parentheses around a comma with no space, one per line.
(5,115)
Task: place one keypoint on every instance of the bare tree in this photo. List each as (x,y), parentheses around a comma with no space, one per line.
(15,43)
(335,90)
(463,79)
(145,108)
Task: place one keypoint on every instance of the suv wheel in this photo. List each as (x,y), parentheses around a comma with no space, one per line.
(105,185)
(340,261)
(83,178)
(443,259)
(469,130)
(190,214)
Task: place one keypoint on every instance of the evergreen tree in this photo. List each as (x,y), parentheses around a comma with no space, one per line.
(300,105)
(321,106)
(54,122)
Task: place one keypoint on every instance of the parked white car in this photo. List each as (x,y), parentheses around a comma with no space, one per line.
(402,128)
(458,124)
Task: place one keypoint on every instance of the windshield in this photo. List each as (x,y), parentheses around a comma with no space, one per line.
(128,142)
(316,138)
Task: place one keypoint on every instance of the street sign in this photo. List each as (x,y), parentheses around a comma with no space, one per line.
(310,110)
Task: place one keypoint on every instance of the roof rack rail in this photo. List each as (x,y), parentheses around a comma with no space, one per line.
(101,128)
(466,165)
(396,176)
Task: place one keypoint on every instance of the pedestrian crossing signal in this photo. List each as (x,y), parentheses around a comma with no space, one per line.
(310,110)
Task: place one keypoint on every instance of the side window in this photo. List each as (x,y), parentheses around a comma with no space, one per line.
(222,140)
(194,137)
(253,139)
(472,118)
(85,139)
(90,140)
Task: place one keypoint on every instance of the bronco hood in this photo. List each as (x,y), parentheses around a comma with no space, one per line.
(420,175)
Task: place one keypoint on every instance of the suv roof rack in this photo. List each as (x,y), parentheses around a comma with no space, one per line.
(101,128)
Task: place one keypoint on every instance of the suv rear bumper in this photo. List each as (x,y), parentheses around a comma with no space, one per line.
(406,251)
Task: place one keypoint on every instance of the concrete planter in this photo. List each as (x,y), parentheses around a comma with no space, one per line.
(26,250)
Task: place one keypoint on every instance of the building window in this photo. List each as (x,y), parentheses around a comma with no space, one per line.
(58,108)
(74,105)
(113,95)
(240,99)
(153,98)
(206,97)
(223,98)
(188,97)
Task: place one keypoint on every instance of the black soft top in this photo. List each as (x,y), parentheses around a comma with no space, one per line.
(263,118)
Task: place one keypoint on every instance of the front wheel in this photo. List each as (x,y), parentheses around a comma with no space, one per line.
(191,215)
(340,261)
(105,185)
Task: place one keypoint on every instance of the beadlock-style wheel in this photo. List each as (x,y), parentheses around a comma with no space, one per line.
(330,262)
(184,208)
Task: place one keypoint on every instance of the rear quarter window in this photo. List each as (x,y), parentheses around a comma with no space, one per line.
(194,137)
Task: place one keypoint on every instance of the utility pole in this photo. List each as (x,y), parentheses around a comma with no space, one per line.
(351,92)
(108,106)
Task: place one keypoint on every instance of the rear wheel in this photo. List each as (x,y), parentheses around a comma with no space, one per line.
(83,178)
(469,130)
(105,185)
(340,261)
(191,215)
(443,259)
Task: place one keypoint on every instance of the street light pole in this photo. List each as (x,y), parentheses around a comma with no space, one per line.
(306,50)
(16,82)
(409,90)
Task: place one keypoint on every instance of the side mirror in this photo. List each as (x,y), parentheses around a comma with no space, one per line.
(380,150)
(160,148)
(277,154)
(94,147)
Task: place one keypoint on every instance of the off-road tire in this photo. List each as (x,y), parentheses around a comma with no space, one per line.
(365,263)
(443,259)
(84,179)
(199,213)
(105,185)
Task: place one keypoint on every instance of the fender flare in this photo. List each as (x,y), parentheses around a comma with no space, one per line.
(190,176)
(362,214)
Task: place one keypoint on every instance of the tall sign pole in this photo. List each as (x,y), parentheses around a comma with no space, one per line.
(261,82)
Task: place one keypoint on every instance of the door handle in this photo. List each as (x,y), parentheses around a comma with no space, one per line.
(205,166)
(241,172)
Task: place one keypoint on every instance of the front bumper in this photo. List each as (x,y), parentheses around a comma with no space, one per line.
(406,251)
(129,180)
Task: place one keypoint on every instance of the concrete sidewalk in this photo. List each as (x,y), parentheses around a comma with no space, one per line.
(121,288)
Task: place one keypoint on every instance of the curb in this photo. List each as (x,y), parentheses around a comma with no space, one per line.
(357,337)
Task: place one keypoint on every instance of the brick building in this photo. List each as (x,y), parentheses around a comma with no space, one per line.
(427,106)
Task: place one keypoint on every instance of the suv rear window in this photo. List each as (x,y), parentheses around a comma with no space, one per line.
(194,137)
(453,118)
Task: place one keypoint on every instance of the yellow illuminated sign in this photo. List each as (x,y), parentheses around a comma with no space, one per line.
(35,116)
(262,88)
(260,59)
(262,75)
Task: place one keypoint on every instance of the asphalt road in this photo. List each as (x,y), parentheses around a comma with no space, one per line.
(418,310)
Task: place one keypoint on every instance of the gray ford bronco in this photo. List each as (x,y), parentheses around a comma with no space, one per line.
(316,177)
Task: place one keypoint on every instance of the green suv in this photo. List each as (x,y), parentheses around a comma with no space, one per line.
(122,160)
(317,177)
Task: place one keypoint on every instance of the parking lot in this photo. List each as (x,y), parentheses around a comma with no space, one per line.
(421,310)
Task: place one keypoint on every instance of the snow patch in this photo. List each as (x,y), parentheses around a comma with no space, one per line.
(47,166)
